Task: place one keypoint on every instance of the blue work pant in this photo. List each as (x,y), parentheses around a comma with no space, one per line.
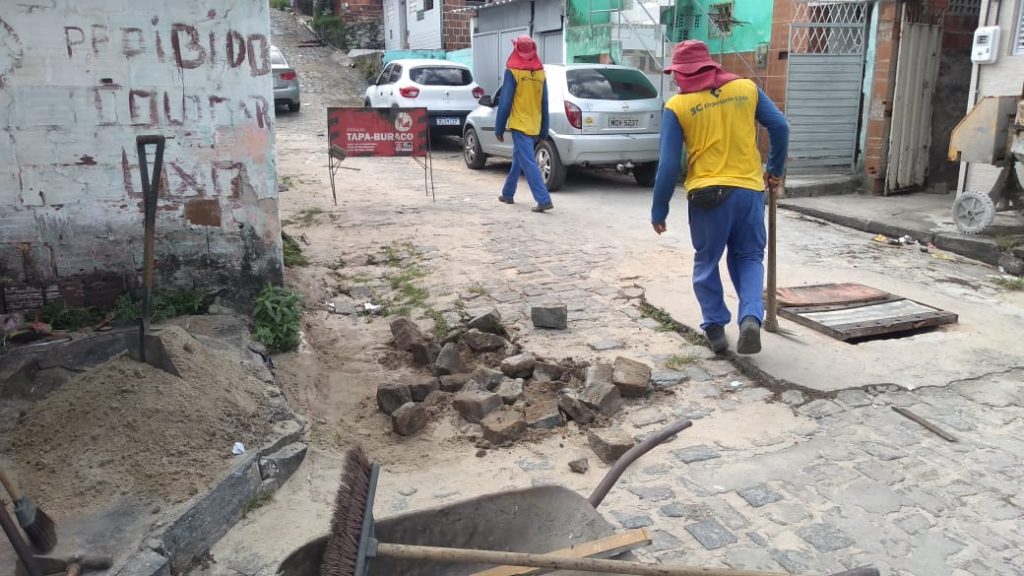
(524,161)
(736,224)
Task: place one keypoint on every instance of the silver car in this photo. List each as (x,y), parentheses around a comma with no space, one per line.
(286,81)
(599,115)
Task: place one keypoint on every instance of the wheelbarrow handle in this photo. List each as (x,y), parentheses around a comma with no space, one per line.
(629,457)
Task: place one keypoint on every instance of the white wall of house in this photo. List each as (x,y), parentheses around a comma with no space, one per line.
(1003,78)
(425,24)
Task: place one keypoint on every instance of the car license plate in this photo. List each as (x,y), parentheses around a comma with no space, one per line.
(447,121)
(623,122)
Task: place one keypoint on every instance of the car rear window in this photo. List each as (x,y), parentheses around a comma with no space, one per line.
(441,76)
(277,59)
(610,84)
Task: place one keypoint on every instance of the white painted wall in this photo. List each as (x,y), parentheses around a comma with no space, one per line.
(1003,78)
(424,34)
(79,80)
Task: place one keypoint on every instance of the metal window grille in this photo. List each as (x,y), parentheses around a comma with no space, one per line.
(1018,33)
(964,7)
(828,28)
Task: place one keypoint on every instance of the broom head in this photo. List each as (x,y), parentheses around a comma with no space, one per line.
(352,522)
(39,528)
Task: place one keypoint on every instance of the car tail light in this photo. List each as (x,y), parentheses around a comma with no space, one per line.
(574,114)
(478,92)
(409,92)
(288,76)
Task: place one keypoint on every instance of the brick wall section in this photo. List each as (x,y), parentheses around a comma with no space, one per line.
(361,11)
(77,88)
(456,25)
(882,84)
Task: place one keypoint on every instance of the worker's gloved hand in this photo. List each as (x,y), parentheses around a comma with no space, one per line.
(660,228)
(500,137)
(772,182)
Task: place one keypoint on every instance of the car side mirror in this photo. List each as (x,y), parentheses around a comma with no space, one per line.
(485,100)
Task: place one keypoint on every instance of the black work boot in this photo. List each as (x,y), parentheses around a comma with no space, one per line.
(716,338)
(539,208)
(750,336)
(506,200)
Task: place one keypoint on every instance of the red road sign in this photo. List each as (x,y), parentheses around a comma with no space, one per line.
(385,132)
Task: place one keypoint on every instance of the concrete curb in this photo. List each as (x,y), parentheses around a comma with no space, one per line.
(207,519)
(977,248)
(804,187)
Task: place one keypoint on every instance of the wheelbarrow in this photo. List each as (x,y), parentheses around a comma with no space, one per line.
(538,519)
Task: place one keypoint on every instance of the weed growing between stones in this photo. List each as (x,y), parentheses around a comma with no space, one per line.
(680,361)
(276,316)
(292,252)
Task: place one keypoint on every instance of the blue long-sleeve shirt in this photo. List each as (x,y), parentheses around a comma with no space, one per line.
(671,150)
(523,116)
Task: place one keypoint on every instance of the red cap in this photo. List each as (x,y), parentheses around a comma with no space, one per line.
(690,57)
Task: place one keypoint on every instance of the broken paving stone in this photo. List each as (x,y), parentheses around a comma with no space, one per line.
(819,409)
(519,366)
(475,405)
(489,322)
(580,465)
(510,390)
(483,341)
(549,421)
(421,389)
(552,317)
(652,493)
(633,520)
(609,443)
(758,496)
(448,361)
(548,372)
(575,410)
(824,537)
(698,453)
(487,378)
(793,397)
(854,398)
(631,377)
(604,344)
(600,373)
(661,540)
(409,419)
(453,382)
(503,426)
(603,397)
(668,378)
(689,511)
(392,396)
(697,374)
(406,333)
(711,534)
(425,352)
(883,452)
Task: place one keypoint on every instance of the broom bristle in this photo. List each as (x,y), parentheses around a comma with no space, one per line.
(342,551)
(39,528)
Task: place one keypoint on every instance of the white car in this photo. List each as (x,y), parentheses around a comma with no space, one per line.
(599,115)
(446,89)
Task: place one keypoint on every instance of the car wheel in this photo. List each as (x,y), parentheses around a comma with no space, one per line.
(550,164)
(644,174)
(294,106)
(471,150)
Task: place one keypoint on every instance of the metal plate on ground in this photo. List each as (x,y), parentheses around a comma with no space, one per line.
(824,294)
(854,320)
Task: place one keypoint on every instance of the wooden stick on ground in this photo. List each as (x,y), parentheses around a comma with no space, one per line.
(928,425)
(601,548)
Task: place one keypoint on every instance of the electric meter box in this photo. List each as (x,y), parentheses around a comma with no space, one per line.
(986,45)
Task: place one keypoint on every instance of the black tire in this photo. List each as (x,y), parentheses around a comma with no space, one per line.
(472,153)
(644,174)
(550,164)
(294,106)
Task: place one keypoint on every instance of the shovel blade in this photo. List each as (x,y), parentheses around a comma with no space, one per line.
(151,350)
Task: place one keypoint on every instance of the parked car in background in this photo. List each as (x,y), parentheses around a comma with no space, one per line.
(286,81)
(600,115)
(446,89)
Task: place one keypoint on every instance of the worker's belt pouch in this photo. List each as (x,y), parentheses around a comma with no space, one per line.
(709,197)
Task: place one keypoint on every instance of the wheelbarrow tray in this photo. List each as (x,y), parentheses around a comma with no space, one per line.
(539,519)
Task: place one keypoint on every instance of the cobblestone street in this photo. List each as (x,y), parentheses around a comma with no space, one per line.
(771,476)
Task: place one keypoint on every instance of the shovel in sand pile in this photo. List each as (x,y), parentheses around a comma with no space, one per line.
(147,347)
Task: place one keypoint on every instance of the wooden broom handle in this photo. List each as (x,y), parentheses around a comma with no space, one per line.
(460,555)
(10,486)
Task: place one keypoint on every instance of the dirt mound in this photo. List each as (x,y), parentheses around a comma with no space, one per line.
(129,428)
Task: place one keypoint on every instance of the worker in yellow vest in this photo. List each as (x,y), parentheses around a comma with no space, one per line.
(523,111)
(715,114)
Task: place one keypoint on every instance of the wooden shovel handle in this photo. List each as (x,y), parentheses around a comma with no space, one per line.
(466,556)
(10,486)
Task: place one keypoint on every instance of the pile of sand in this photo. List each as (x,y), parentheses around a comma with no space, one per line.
(127,428)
